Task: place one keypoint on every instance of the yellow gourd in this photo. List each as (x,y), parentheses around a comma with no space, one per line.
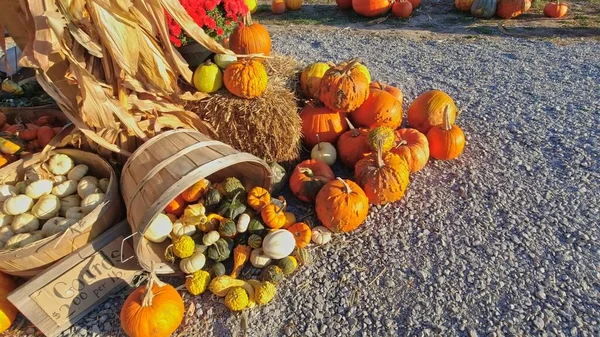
(220,285)
(241,254)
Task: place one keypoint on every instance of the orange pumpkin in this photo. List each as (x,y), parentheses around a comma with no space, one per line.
(196,191)
(250,38)
(415,3)
(155,309)
(45,135)
(258,198)
(380,109)
(508,9)
(45,120)
(342,205)
(556,9)
(428,110)
(344,4)
(15,128)
(344,88)
(463,5)
(176,206)
(396,92)
(446,141)
(326,123)
(302,234)
(383,177)
(413,147)
(8,312)
(402,9)
(278,6)
(352,145)
(371,8)
(274,216)
(308,178)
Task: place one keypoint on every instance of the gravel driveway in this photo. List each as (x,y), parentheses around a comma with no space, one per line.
(503,241)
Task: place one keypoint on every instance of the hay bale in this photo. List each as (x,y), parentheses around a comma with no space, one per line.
(269,126)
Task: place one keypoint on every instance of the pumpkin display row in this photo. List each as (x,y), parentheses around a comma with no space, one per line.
(54,196)
(507,9)
(21,139)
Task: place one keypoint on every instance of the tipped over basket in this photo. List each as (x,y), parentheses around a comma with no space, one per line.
(29,260)
(166,165)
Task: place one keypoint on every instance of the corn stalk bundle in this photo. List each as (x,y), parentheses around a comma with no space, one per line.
(109,64)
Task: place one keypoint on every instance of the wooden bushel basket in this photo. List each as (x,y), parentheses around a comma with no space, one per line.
(164,167)
(29,260)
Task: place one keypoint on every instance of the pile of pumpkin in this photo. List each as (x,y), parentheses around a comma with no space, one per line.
(507,9)
(380,152)
(22,139)
(280,6)
(374,8)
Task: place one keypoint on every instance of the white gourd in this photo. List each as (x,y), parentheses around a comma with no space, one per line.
(181,229)
(210,238)
(6,233)
(65,188)
(74,213)
(23,239)
(17,204)
(25,223)
(193,263)
(21,186)
(52,226)
(321,235)
(60,164)
(69,201)
(259,259)
(5,219)
(39,188)
(200,248)
(47,207)
(89,203)
(324,152)
(278,244)
(78,172)
(58,179)
(7,191)
(103,184)
(86,186)
(242,223)
(159,228)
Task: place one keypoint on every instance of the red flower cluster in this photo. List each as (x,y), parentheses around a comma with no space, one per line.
(216,17)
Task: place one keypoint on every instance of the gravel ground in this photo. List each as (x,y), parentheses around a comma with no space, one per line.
(503,241)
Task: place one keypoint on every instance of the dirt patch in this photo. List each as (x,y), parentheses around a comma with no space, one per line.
(441,17)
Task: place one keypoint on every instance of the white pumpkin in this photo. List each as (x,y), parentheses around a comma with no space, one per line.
(159,228)
(181,229)
(224,60)
(23,239)
(5,219)
(68,202)
(39,188)
(74,213)
(21,186)
(242,223)
(5,234)
(47,207)
(193,263)
(60,164)
(279,244)
(324,152)
(89,203)
(65,188)
(78,172)
(321,235)
(17,204)
(210,238)
(86,186)
(53,226)
(58,179)
(103,184)
(7,191)
(25,223)
(259,259)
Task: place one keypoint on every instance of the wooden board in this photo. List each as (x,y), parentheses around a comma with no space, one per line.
(61,295)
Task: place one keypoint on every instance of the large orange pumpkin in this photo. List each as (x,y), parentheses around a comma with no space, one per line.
(428,110)
(344,88)
(154,310)
(446,141)
(352,145)
(380,109)
(342,205)
(396,92)
(322,121)
(413,147)
(383,177)
(250,38)
(308,178)
(371,8)
(512,8)
(8,312)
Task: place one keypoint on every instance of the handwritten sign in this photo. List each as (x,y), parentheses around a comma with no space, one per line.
(86,283)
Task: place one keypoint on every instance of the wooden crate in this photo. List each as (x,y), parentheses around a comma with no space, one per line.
(60,296)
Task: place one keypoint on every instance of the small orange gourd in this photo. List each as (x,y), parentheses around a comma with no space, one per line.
(274,216)
(302,234)
(176,206)
(446,141)
(258,198)
(241,255)
(196,191)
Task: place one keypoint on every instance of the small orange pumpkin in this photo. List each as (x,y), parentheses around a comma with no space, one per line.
(446,141)
(352,145)
(45,120)
(176,206)
(258,198)
(413,147)
(8,312)
(380,109)
(30,133)
(427,110)
(396,92)
(308,178)
(402,9)
(324,122)
(302,234)
(278,6)
(274,216)
(250,38)
(371,8)
(45,135)
(342,205)
(556,9)
(196,191)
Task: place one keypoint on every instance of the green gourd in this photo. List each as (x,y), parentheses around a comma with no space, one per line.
(219,251)
(272,274)
(484,8)
(288,264)
(227,229)
(232,208)
(212,200)
(255,241)
(218,269)
(255,226)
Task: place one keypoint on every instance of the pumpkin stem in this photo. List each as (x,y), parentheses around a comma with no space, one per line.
(233,203)
(305,170)
(380,162)
(350,65)
(284,203)
(318,143)
(355,132)
(447,125)
(400,143)
(348,189)
(148,295)
(248,19)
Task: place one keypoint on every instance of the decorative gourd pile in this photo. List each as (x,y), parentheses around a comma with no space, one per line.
(53,196)
(22,139)
(216,229)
